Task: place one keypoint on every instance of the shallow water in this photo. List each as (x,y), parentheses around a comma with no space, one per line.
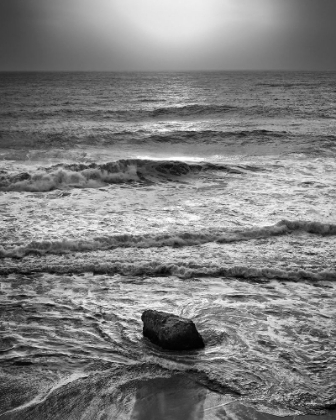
(269,343)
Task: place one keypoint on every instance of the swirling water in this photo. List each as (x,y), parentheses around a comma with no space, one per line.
(209,195)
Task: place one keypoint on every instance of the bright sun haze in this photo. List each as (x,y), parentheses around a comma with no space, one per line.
(190,32)
(167,34)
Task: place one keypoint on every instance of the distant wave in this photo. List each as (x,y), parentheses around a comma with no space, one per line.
(17,145)
(20,141)
(184,111)
(96,175)
(177,239)
(287,85)
(191,110)
(213,136)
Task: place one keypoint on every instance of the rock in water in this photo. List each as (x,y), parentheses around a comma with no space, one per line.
(170,331)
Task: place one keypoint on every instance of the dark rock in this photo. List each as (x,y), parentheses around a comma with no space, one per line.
(170,331)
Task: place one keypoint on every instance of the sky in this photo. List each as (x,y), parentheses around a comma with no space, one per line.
(131,35)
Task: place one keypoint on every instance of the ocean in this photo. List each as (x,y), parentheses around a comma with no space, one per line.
(210,195)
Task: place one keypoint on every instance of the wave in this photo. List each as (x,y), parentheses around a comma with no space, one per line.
(191,110)
(18,142)
(213,136)
(181,270)
(178,239)
(132,114)
(287,85)
(96,175)
(148,112)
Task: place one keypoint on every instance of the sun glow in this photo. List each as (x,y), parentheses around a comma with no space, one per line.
(167,34)
(181,22)
(172,21)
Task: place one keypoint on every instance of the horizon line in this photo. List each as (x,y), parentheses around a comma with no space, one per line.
(171,71)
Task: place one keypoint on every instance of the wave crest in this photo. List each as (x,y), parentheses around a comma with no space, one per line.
(176,239)
(96,175)
(184,271)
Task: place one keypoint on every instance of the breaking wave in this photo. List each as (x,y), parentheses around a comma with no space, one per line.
(178,239)
(96,175)
(184,271)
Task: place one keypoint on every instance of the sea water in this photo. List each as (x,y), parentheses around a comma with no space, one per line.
(208,195)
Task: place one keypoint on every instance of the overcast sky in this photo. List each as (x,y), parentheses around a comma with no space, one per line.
(167,34)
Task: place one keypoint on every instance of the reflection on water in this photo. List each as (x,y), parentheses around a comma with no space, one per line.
(180,398)
(175,398)
(237,411)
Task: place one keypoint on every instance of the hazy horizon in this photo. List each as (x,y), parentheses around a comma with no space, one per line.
(175,71)
(167,35)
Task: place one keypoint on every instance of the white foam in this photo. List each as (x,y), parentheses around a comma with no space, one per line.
(182,158)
